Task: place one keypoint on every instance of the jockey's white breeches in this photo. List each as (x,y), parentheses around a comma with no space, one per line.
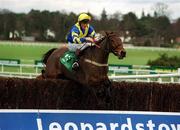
(74,47)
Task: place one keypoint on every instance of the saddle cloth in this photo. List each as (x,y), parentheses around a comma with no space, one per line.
(68,59)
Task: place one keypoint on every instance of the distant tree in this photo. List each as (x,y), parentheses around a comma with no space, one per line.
(176,28)
(163,29)
(20,23)
(130,23)
(104,20)
(9,24)
(36,23)
(160,9)
(155,14)
(146,27)
(33,24)
(104,15)
(117,15)
(1,26)
(142,14)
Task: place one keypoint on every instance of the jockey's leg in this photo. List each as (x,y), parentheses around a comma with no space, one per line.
(85,45)
(77,48)
(81,48)
(74,47)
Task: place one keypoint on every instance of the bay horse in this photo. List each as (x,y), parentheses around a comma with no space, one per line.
(93,61)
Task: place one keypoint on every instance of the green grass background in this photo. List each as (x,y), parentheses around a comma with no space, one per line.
(28,53)
(140,56)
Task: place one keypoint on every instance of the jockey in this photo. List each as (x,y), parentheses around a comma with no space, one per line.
(80,36)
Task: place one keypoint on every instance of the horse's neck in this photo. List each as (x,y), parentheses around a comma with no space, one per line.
(99,55)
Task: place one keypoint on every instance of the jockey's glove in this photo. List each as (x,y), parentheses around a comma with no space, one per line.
(89,39)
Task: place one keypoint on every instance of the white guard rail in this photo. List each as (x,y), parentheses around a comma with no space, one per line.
(139,74)
(169,78)
(19,75)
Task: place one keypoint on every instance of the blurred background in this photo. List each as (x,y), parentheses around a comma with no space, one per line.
(139,22)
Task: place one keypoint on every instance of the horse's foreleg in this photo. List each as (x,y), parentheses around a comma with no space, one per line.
(108,91)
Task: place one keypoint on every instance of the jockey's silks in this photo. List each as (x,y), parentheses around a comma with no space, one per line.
(77,34)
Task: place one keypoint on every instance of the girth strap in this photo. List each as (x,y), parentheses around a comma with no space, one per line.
(95,63)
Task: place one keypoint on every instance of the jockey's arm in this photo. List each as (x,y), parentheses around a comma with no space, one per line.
(90,39)
(91,35)
(91,32)
(76,38)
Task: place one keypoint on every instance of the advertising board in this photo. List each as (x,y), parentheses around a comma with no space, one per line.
(10,61)
(87,120)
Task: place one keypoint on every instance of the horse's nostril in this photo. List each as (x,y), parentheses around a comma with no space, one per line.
(123,54)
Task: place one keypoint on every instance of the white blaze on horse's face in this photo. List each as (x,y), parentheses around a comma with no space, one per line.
(117,47)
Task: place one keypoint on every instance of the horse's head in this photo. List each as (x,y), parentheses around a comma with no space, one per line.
(115,45)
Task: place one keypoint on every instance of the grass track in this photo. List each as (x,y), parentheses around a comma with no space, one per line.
(29,52)
(140,56)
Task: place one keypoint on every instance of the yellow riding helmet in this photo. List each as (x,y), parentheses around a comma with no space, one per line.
(84,16)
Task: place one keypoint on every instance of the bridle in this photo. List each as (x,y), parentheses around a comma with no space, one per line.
(107,50)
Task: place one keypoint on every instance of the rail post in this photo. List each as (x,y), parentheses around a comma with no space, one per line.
(179,74)
(2,69)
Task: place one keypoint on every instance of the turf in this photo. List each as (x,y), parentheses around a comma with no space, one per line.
(140,56)
(30,52)
(26,53)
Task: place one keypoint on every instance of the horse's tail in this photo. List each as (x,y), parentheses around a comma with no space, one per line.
(47,54)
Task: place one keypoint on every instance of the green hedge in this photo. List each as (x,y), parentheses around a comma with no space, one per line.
(165,60)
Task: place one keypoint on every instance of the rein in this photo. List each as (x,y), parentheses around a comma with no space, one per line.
(100,41)
(105,47)
(108,46)
(99,47)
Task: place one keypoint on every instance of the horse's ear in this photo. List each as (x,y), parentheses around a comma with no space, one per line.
(107,33)
(102,33)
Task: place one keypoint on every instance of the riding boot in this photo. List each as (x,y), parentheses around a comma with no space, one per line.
(75,65)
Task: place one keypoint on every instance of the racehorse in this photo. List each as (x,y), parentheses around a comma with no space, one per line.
(93,61)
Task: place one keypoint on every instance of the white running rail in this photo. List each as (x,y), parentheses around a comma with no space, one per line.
(160,78)
(20,70)
(139,74)
(147,78)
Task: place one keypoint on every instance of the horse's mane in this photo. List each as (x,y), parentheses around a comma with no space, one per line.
(111,34)
(46,55)
(107,34)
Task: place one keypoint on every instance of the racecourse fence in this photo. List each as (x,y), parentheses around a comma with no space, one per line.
(19,93)
(123,73)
